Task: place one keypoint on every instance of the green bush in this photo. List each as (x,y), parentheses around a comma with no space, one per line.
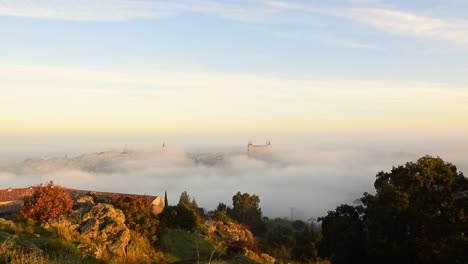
(179,216)
(138,216)
(221,216)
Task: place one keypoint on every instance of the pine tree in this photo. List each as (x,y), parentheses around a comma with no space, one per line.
(166,203)
(194,203)
(185,199)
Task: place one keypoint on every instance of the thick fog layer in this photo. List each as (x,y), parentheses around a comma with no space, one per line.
(310,181)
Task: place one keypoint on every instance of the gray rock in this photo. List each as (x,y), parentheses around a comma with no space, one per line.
(103,231)
(84,204)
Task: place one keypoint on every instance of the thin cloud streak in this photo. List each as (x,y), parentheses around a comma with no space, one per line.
(83,10)
(326,40)
(389,20)
(121,10)
(393,21)
(408,24)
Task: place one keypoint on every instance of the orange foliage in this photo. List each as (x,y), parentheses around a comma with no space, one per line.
(47,202)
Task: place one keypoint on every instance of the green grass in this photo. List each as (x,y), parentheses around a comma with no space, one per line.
(27,242)
(180,246)
(183,246)
(238,259)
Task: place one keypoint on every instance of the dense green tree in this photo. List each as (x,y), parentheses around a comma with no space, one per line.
(179,216)
(194,203)
(246,210)
(280,240)
(138,216)
(418,214)
(306,248)
(185,199)
(299,225)
(343,235)
(222,207)
(281,235)
(184,215)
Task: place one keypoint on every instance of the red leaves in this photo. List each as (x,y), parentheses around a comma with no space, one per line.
(47,202)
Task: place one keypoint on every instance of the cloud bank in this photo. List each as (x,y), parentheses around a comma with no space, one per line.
(311,182)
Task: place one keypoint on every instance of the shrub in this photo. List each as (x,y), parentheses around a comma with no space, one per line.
(138,216)
(179,216)
(237,247)
(221,216)
(47,202)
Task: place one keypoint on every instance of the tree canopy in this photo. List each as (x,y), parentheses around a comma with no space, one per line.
(417,215)
(418,212)
(47,202)
(246,209)
(138,216)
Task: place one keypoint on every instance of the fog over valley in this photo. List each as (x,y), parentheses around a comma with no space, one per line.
(310,179)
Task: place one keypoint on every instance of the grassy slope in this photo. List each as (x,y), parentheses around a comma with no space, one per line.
(181,247)
(29,243)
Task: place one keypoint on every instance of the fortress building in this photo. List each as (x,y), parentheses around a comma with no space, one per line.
(258,149)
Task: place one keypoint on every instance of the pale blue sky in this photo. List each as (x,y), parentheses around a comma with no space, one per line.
(342,63)
(308,38)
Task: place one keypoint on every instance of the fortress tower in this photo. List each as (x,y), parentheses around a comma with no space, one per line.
(258,149)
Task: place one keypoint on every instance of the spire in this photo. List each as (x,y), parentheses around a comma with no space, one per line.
(165,199)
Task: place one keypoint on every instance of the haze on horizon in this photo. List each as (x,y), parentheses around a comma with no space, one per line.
(376,83)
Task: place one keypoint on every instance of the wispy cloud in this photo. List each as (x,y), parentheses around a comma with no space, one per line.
(84,10)
(118,10)
(326,40)
(391,20)
(370,13)
(409,24)
(347,43)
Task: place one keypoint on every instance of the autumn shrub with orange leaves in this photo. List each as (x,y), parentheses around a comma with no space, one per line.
(47,202)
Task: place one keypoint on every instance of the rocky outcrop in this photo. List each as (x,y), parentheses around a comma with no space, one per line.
(229,232)
(267,258)
(84,204)
(103,232)
(262,257)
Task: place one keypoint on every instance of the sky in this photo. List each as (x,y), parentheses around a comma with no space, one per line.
(179,67)
(368,75)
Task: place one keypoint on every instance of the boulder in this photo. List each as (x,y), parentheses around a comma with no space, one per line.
(103,231)
(267,258)
(230,231)
(236,235)
(84,204)
(262,257)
